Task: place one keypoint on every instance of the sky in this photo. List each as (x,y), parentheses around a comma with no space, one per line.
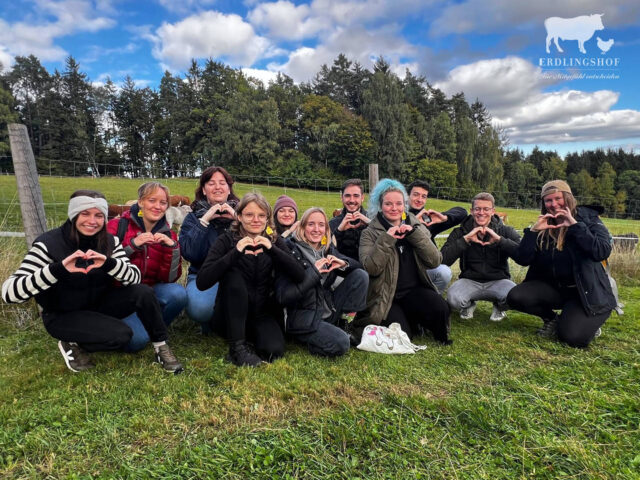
(492,50)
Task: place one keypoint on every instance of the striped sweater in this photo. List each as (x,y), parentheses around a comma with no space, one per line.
(42,275)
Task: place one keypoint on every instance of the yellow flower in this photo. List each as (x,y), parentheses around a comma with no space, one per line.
(269,231)
(324,240)
(404,216)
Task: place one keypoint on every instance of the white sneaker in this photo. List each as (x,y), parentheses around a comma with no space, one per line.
(497,314)
(467,313)
(598,333)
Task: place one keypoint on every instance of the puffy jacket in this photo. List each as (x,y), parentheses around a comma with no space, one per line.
(305,300)
(479,262)
(379,257)
(196,239)
(256,270)
(348,241)
(589,243)
(158,263)
(42,275)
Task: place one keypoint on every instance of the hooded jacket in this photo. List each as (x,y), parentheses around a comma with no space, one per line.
(158,263)
(196,239)
(481,263)
(42,275)
(380,258)
(588,243)
(306,301)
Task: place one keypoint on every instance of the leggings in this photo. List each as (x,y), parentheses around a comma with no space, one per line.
(575,327)
(421,307)
(236,317)
(100,328)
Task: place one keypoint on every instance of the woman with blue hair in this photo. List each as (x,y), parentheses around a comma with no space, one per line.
(396,250)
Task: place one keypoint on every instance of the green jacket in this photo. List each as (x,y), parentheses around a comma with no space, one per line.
(379,256)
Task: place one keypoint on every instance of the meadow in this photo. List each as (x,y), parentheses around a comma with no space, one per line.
(499,403)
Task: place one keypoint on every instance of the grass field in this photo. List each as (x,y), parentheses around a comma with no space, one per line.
(499,403)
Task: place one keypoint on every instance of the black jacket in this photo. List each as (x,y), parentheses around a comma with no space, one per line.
(305,300)
(477,262)
(454,215)
(588,243)
(257,270)
(348,242)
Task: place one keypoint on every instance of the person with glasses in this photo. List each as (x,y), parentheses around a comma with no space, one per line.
(483,244)
(436,222)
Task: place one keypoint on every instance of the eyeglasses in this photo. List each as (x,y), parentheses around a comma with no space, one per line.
(482,209)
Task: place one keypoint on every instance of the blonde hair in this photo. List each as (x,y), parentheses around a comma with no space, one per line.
(147,189)
(305,220)
(556,235)
(236,226)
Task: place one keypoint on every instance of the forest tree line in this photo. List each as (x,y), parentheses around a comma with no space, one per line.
(331,127)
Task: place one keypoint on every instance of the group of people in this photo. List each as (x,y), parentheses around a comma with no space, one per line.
(258,274)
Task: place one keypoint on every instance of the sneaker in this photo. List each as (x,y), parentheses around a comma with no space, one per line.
(467,313)
(242,355)
(549,329)
(598,333)
(497,314)
(75,357)
(166,358)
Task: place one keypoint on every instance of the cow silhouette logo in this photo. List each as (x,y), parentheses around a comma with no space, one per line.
(580,28)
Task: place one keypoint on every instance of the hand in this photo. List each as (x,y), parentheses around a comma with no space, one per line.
(436,217)
(335,262)
(98,260)
(209,215)
(350,220)
(142,239)
(399,231)
(565,218)
(70,262)
(244,243)
(363,218)
(493,237)
(543,223)
(264,241)
(472,236)
(225,210)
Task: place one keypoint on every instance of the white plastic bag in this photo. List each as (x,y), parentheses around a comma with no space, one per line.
(391,340)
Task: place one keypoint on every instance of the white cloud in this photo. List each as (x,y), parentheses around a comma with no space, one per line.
(209,34)
(265,76)
(6,59)
(513,91)
(486,16)
(283,19)
(37,36)
(186,6)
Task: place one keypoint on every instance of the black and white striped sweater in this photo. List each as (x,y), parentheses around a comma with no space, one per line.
(42,275)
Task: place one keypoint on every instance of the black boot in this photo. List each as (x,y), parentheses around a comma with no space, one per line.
(549,329)
(241,354)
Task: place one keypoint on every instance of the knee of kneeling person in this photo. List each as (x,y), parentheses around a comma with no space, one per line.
(137,343)
(340,345)
(573,339)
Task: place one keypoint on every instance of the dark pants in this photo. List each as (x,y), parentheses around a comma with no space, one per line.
(421,307)
(236,318)
(100,328)
(327,341)
(575,327)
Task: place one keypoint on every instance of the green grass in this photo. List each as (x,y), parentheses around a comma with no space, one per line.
(499,403)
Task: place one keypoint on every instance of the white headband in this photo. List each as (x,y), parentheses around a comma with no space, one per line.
(80,204)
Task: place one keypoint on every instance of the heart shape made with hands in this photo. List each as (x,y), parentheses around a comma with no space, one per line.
(561,216)
(329,264)
(482,237)
(255,248)
(83,262)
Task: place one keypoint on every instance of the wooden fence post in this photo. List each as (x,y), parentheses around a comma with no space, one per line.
(29,193)
(373,176)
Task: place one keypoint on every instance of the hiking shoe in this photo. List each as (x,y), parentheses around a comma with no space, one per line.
(242,355)
(467,313)
(497,314)
(598,333)
(75,357)
(166,358)
(549,329)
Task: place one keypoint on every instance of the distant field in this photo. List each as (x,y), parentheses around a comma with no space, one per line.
(56,191)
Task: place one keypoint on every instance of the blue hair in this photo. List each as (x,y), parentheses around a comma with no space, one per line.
(383,187)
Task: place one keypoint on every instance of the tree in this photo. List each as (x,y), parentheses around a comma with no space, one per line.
(444,138)
(7,115)
(553,168)
(583,186)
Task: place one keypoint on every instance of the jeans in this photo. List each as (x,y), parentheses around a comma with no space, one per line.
(172,298)
(200,303)
(350,295)
(440,276)
(463,293)
(327,341)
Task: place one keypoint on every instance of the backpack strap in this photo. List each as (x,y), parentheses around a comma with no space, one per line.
(123,224)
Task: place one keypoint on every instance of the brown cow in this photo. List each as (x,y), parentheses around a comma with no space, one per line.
(178,200)
(503,216)
(114,211)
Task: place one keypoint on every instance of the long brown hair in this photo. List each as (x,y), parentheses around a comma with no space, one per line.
(102,237)
(236,226)
(556,235)
(205,177)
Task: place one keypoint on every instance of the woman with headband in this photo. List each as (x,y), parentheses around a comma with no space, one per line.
(72,272)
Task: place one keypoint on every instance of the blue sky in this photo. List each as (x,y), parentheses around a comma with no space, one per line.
(490,49)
